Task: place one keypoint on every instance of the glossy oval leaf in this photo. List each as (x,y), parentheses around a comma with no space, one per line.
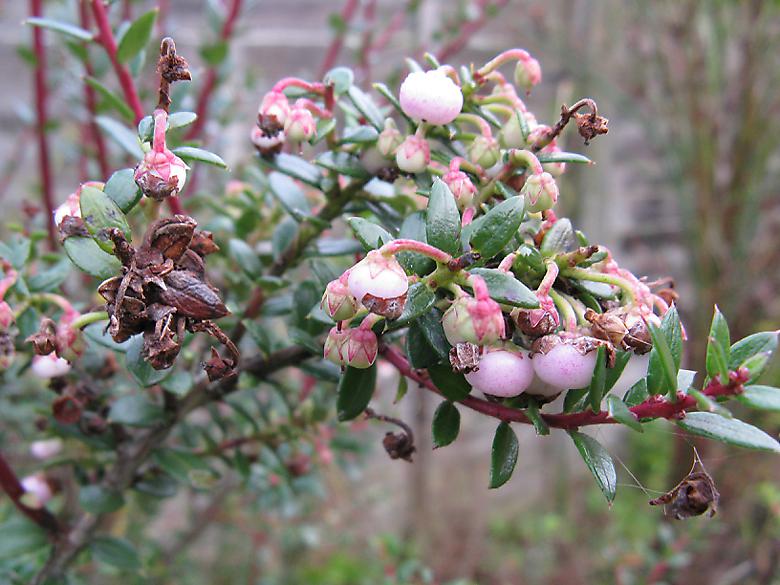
(136,37)
(123,190)
(135,410)
(100,213)
(65,28)
(355,390)
(122,135)
(731,431)
(451,384)
(503,455)
(191,153)
(505,288)
(369,234)
(761,397)
(443,219)
(116,552)
(90,258)
(598,461)
(499,227)
(446,424)
(419,300)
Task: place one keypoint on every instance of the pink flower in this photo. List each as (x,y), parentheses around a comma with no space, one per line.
(430,96)
(461,187)
(337,301)
(299,124)
(389,139)
(377,277)
(333,349)
(528,73)
(540,191)
(474,320)
(267,140)
(413,155)
(276,105)
(361,348)
(49,366)
(161,173)
(502,373)
(484,151)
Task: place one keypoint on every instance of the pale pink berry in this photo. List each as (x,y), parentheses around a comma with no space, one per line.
(528,73)
(413,154)
(337,301)
(540,191)
(300,125)
(377,278)
(430,96)
(334,346)
(45,449)
(502,373)
(461,187)
(49,366)
(540,388)
(474,320)
(275,105)
(361,348)
(389,139)
(37,491)
(484,151)
(565,363)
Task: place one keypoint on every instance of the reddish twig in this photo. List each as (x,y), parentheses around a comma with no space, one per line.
(41,94)
(90,100)
(11,485)
(210,83)
(347,14)
(652,408)
(107,40)
(468,29)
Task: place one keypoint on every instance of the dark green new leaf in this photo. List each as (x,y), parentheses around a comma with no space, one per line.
(637,394)
(744,349)
(135,410)
(503,457)
(122,189)
(505,288)
(559,238)
(419,300)
(731,431)
(136,37)
(443,219)
(619,411)
(761,397)
(446,424)
(122,135)
(598,381)
(61,27)
(370,235)
(359,135)
(419,350)
(116,552)
(718,348)
(96,499)
(661,371)
(413,228)
(562,157)
(452,385)
(366,106)
(90,258)
(198,154)
(498,227)
(20,536)
(430,323)
(99,213)
(355,390)
(599,463)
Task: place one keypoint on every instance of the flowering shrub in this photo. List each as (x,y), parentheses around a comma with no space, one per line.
(460,275)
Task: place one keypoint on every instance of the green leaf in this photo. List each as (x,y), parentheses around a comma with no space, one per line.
(505,288)
(50,279)
(452,385)
(707,404)
(122,135)
(419,300)
(619,411)
(61,27)
(100,213)
(532,412)
(116,552)
(382,89)
(598,381)
(637,394)
(503,455)
(366,106)
(761,397)
(744,349)
(731,431)
(443,219)
(136,37)
(181,119)
(755,365)
(283,236)
(19,537)
(343,163)
(370,235)
(613,374)
(600,290)
(718,348)
(179,382)
(413,228)
(295,167)
(403,388)
(16,251)
(685,380)
(446,424)
(122,189)
(135,410)
(245,257)
(359,135)
(96,499)
(672,330)
(355,390)
(562,157)
(418,348)
(341,78)
(111,99)
(215,53)
(499,227)
(599,463)
(559,238)
(139,368)
(90,258)
(200,155)
(661,371)
(290,195)
(430,324)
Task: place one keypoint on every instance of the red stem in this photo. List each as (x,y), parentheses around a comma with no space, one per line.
(210,83)
(90,100)
(10,484)
(41,95)
(653,407)
(468,29)
(347,14)
(106,38)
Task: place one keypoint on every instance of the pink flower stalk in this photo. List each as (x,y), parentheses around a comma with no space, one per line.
(540,191)
(161,173)
(431,97)
(49,366)
(476,320)
(337,301)
(413,155)
(502,373)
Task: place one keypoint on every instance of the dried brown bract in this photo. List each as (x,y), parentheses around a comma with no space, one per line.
(591,125)
(163,292)
(171,68)
(399,446)
(695,495)
(44,341)
(464,358)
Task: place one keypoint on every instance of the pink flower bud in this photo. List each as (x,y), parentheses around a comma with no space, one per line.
(461,186)
(474,320)
(413,155)
(540,191)
(430,96)
(528,73)
(511,135)
(334,346)
(379,283)
(300,125)
(37,491)
(564,362)
(161,173)
(484,151)
(389,139)
(45,449)
(361,348)
(6,316)
(49,366)
(337,301)
(275,105)
(502,373)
